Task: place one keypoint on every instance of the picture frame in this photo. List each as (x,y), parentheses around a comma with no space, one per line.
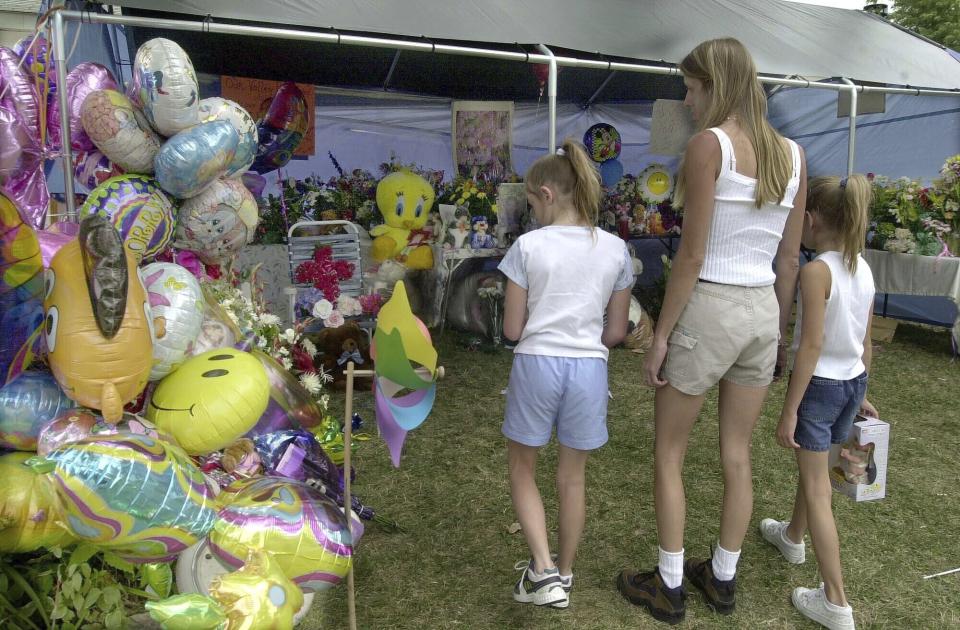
(482,138)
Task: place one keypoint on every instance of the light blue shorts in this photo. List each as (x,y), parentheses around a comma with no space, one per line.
(569,393)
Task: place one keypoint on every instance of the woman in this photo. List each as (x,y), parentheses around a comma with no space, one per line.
(742,187)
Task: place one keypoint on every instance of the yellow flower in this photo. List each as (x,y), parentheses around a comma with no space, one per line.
(481,195)
(467,195)
(460,201)
(493,207)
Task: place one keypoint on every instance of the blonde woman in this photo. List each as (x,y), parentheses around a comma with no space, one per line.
(742,187)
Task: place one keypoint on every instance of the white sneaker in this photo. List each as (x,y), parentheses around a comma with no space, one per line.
(813,604)
(775,533)
(546,590)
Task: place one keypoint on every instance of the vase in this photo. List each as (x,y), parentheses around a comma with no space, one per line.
(496,322)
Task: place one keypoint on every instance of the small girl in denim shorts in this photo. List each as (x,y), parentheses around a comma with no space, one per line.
(561,279)
(829,381)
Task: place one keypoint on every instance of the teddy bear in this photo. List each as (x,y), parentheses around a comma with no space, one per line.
(338,346)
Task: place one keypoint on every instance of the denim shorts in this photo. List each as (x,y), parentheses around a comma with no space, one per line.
(569,393)
(827,411)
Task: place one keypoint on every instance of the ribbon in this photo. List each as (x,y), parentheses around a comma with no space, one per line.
(350,356)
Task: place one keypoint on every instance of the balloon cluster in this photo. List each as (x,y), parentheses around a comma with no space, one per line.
(602,141)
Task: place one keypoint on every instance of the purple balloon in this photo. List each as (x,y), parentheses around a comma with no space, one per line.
(85,78)
(50,244)
(37,55)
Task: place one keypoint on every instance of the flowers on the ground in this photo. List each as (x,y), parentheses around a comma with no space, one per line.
(322,309)
(370,303)
(311,382)
(334,320)
(349,306)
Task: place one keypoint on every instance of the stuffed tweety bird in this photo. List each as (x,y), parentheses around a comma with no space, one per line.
(404,199)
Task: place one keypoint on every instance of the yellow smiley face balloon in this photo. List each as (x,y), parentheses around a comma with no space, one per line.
(211,400)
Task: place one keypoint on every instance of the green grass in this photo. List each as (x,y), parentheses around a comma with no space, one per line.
(453,566)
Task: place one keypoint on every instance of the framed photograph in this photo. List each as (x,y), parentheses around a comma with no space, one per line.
(482,135)
(511,205)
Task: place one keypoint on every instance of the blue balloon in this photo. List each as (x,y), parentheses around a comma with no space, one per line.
(194,158)
(611,172)
(27,403)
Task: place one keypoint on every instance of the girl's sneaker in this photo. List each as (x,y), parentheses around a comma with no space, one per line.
(775,533)
(566,581)
(813,604)
(545,589)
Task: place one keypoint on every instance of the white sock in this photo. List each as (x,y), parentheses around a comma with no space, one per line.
(671,567)
(725,563)
(786,539)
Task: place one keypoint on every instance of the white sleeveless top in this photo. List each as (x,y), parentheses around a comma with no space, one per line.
(845,319)
(743,239)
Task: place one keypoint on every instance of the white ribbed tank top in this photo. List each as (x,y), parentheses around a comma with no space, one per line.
(845,318)
(743,239)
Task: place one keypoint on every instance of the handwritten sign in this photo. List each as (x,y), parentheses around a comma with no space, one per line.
(254,95)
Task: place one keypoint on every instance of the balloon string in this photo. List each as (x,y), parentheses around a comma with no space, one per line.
(283,203)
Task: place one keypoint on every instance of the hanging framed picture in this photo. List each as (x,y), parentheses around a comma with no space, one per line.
(482,133)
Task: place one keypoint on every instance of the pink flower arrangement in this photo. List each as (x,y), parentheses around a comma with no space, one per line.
(324,273)
(370,303)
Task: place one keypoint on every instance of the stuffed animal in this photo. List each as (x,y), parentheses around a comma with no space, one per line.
(404,200)
(241,458)
(340,345)
(856,458)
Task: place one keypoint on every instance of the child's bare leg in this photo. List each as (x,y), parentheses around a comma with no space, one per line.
(522,461)
(815,479)
(798,521)
(571,493)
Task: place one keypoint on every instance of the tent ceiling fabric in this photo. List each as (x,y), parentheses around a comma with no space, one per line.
(785,38)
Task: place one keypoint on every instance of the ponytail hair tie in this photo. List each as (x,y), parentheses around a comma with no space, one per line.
(843,183)
(561,152)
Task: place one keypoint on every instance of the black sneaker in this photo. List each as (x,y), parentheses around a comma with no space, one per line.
(721,595)
(647,589)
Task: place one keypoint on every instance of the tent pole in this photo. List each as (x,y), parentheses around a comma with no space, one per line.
(852,136)
(393,66)
(551,97)
(66,155)
(600,89)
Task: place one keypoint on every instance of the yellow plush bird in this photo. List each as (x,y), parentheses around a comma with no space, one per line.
(404,199)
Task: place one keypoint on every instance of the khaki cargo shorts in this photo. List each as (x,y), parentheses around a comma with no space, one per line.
(725,332)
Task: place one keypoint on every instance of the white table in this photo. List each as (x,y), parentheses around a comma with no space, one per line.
(910,274)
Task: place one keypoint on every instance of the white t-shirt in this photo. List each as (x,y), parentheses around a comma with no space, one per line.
(845,318)
(569,273)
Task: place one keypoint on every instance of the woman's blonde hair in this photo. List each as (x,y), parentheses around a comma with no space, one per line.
(728,73)
(843,205)
(571,172)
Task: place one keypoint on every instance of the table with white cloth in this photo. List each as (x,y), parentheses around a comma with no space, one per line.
(910,274)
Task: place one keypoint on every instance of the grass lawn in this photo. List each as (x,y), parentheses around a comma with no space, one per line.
(452,567)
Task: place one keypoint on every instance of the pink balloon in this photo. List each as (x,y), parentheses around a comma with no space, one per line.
(21,156)
(85,78)
(37,55)
(19,92)
(50,244)
(69,228)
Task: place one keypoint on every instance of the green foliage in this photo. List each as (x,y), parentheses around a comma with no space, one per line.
(938,20)
(81,589)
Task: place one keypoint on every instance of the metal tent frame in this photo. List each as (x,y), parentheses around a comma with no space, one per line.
(546,56)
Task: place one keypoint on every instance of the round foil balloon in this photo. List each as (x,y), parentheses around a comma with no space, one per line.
(602,141)
(140,497)
(211,400)
(84,78)
(74,425)
(218,222)
(290,406)
(656,183)
(37,55)
(304,531)
(27,403)
(194,158)
(216,108)
(112,123)
(92,168)
(165,86)
(281,129)
(30,517)
(176,303)
(138,208)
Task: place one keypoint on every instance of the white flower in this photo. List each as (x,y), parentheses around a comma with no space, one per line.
(349,305)
(308,347)
(261,342)
(326,377)
(283,352)
(233,317)
(226,303)
(269,319)
(288,336)
(287,363)
(291,183)
(334,320)
(311,382)
(322,309)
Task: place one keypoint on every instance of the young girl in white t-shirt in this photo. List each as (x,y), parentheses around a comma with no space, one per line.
(561,279)
(829,382)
